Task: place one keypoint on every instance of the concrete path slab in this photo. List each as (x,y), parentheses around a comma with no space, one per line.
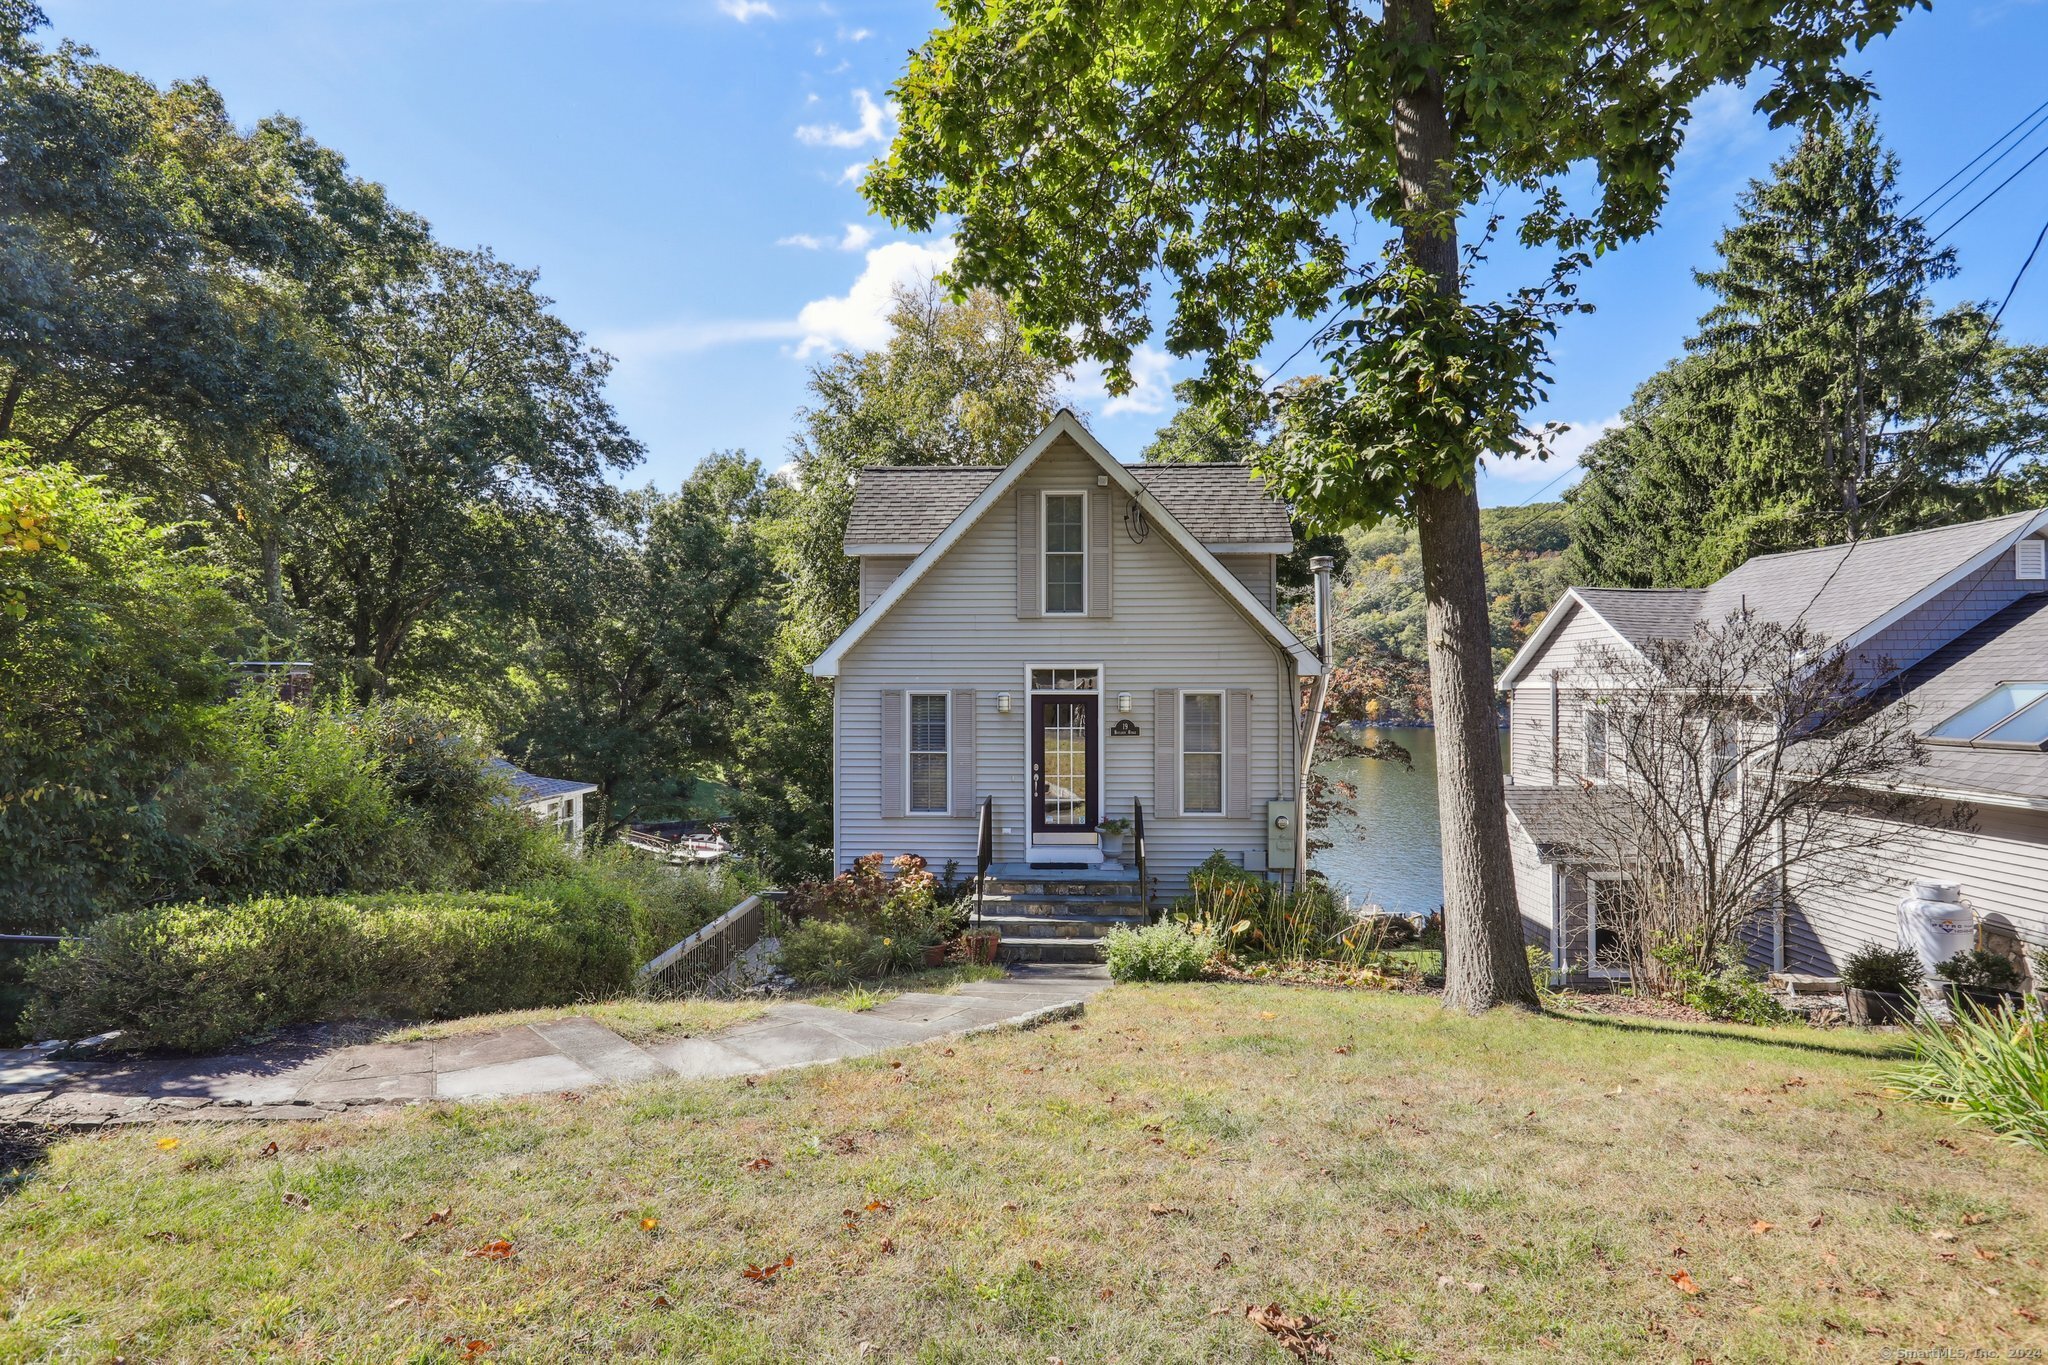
(302,1080)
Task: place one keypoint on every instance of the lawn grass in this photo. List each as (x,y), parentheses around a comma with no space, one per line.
(1434,1187)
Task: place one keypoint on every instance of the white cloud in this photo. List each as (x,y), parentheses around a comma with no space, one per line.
(1565,450)
(855,238)
(852,174)
(1151,385)
(854,35)
(859,318)
(747,10)
(872,118)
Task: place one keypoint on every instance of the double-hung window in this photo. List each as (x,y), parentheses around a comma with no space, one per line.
(1595,727)
(1066,554)
(929,731)
(1201,753)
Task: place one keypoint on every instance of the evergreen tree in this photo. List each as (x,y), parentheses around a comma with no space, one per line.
(1823,397)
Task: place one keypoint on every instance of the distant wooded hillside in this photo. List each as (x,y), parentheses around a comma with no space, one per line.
(1380,610)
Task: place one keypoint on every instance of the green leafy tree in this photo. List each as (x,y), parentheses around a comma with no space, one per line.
(647,636)
(113,646)
(493,433)
(1088,150)
(169,289)
(1823,398)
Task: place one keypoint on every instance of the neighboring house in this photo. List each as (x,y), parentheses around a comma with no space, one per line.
(556,802)
(1065,636)
(1952,622)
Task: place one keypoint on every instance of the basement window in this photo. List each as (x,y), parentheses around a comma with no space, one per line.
(2012,715)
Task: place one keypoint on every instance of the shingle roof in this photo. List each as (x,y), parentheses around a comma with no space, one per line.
(909,505)
(1547,813)
(1839,589)
(2010,647)
(1645,614)
(530,788)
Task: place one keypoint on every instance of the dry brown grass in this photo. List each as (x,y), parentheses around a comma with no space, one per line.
(1432,1187)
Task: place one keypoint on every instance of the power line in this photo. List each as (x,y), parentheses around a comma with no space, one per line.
(2014,287)
(2017,143)
(1989,197)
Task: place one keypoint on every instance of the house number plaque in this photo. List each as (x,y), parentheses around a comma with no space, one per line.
(1124,727)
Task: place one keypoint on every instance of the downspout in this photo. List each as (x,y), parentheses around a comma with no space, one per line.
(1320,565)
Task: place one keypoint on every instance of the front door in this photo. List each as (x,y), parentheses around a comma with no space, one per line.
(1064,803)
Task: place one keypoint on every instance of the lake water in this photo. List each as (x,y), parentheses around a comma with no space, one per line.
(1391,854)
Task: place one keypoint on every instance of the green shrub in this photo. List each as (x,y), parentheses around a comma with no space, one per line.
(1166,951)
(1888,971)
(200,977)
(904,912)
(824,952)
(1979,970)
(662,903)
(1730,992)
(1989,1067)
(1252,918)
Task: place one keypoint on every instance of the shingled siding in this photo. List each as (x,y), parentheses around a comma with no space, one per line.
(955,629)
(2002,868)
(1913,637)
(877,572)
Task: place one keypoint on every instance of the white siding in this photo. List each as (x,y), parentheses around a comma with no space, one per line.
(1533,886)
(1574,654)
(2002,867)
(877,572)
(956,629)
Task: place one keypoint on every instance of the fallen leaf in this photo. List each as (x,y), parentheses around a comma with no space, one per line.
(1971,1220)
(769,1271)
(296,1200)
(1105,1293)
(167,1144)
(1984,1255)
(649,1224)
(1949,1143)
(1739,1281)
(1942,1235)
(888,1246)
(1267,1014)
(865,1349)
(1818,1218)
(1009,1208)
(1221,1261)
(1162,1210)
(438,1216)
(500,1250)
(1760,1227)
(660,1301)
(1295,1332)
(1684,1280)
(398,1303)
(269,1149)
(1344,1051)
(895,1066)
(761,1163)
(880,1206)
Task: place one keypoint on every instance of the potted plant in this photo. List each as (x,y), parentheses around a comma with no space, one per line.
(1982,979)
(1113,832)
(1882,985)
(982,944)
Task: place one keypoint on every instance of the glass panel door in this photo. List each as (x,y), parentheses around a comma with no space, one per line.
(1062,764)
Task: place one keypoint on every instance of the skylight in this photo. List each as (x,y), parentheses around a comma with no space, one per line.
(2012,713)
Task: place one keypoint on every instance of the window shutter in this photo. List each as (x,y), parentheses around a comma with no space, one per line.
(1166,752)
(2030,559)
(965,797)
(1237,755)
(892,752)
(1101,582)
(1027,554)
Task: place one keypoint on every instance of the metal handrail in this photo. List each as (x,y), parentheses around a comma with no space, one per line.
(1138,847)
(984,852)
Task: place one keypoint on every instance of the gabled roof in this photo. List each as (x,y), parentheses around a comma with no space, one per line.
(1064,423)
(528,788)
(1847,593)
(900,509)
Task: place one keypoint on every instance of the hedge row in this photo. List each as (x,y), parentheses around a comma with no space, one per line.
(200,977)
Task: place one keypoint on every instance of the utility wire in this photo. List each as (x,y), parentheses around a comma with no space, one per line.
(1957,193)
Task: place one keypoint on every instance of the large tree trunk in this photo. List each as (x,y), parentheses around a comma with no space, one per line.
(1484,961)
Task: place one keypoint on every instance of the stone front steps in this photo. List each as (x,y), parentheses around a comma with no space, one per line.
(1058,916)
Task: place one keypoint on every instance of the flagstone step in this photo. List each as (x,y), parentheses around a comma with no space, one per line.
(1021,948)
(1062,926)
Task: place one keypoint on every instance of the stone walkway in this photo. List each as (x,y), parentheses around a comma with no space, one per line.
(305,1080)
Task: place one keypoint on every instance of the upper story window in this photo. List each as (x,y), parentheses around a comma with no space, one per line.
(2011,714)
(1724,744)
(929,793)
(1066,554)
(1595,743)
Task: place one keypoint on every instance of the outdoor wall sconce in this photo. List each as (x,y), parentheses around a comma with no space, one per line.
(1123,703)
(1002,703)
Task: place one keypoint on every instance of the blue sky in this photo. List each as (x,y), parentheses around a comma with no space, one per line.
(681,173)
